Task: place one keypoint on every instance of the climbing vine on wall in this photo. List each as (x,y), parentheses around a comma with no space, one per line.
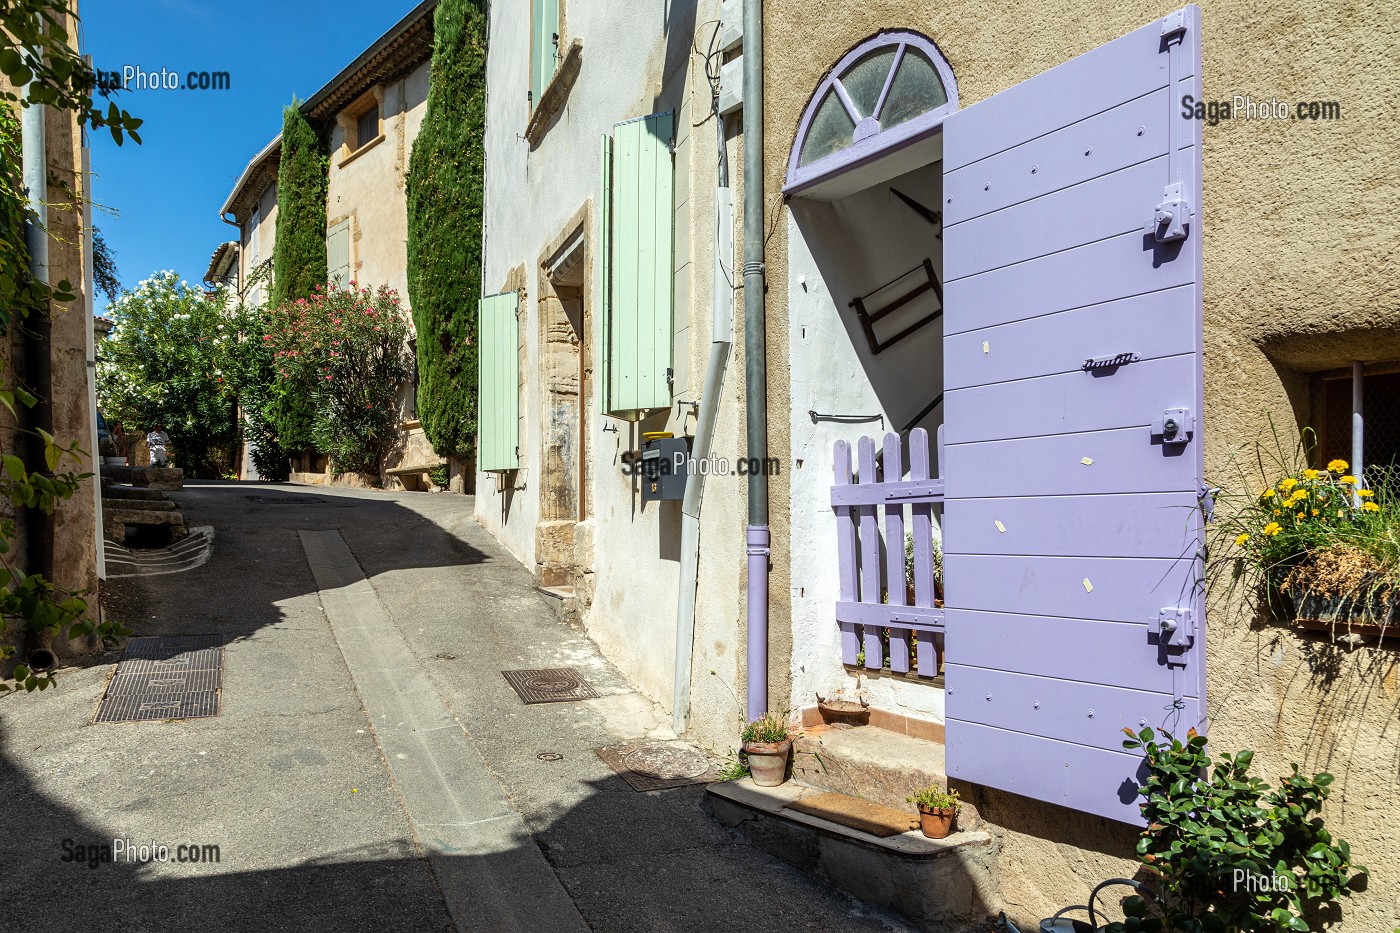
(444,227)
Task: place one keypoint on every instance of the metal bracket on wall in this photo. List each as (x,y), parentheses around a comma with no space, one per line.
(845,419)
(868,319)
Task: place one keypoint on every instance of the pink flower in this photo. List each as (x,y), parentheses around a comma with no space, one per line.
(328,377)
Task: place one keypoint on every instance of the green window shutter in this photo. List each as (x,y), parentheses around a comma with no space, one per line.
(544,25)
(638,270)
(338,253)
(498,386)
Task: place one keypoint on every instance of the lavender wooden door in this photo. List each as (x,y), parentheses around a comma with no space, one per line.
(1072,354)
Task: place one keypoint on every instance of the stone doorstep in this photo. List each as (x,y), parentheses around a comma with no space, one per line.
(774,802)
(946,885)
(139,505)
(119,491)
(875,764)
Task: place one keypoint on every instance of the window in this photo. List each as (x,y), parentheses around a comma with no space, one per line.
(637,236)
(367,126)
(253,222)
(338,253)
(544,46)
(891,90)
(1380,410)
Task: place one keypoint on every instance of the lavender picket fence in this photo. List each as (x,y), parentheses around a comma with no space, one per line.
(873,594)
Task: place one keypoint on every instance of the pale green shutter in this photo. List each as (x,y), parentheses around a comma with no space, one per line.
(638,271)
(544,25)
(498,386)
(338,253)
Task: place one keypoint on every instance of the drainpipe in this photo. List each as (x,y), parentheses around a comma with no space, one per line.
(722,340)
(38,373)
(755,361)
(90,344)
(1358,428)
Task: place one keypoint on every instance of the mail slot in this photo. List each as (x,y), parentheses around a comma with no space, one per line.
(663,466)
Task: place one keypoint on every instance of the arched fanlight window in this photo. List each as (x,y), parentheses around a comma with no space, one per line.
(892,89)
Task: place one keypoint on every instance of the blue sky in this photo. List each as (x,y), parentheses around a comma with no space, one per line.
(167,191)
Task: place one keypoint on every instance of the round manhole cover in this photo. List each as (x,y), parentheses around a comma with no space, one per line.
(667,762)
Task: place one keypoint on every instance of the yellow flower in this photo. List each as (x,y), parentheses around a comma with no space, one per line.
(1287,483)
(1348,480)
(1272,528)
(1314,511)
(1298,517)
(1370,507)
(1311,474)
(1277,512)
(1338,466)
(1241,539)
(1268,493)
(1365,493)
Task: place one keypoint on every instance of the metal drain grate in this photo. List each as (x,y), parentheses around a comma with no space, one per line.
(286,500)
(158,707)
(165,677)
(550,685)
(658,765)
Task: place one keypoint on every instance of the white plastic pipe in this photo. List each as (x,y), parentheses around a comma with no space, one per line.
(721,341)
(1358,427)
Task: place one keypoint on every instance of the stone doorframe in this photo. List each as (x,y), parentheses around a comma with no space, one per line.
(563,539)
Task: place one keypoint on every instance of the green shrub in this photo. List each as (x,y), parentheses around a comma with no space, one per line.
(444,227)
(344,349)
(934,797)
(1231,853)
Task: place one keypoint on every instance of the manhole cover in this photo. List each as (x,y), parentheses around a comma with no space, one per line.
(165,677)
(657,765)
(667,762)
(549,685)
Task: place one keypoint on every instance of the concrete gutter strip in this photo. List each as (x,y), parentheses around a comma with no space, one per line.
(478,846)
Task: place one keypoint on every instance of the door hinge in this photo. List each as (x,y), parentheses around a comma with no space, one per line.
(1172,215)
(1175,426)
(1174,22)
(1205,494)
(1176,629)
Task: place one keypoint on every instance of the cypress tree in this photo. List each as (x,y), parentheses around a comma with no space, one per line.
(444,226)
(299,254)
(298,257)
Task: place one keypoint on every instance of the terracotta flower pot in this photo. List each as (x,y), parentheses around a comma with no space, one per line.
(768,761)
(937,824)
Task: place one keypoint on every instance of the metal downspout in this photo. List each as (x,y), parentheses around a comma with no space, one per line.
(38,363)
(755,362)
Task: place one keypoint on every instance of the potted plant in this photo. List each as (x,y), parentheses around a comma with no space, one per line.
(938,810)
(767,746)
(1317,544)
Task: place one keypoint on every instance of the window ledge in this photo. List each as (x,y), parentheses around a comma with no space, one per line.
(554,93)
(362,150)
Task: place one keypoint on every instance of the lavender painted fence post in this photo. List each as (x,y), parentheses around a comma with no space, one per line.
(923,549)
(870,554)
(894,556)
(846,552)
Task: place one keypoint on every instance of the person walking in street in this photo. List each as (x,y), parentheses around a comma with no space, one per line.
(156,441)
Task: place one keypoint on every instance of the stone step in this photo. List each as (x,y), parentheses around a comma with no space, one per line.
(949,885)
(115,522)
(150,477)
(120,491)
(869,762)
(138,505)
(562,601)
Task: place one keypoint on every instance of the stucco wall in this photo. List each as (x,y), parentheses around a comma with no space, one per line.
(636,60)
(1299,231)
(369,187)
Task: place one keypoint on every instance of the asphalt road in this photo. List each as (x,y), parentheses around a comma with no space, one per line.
(370,768)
